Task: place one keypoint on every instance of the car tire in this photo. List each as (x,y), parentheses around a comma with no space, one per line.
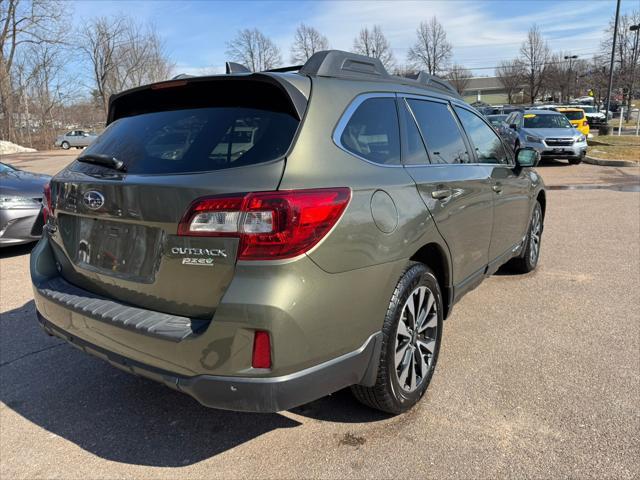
(575,161)
(528,260)
(65,145)
(398,386)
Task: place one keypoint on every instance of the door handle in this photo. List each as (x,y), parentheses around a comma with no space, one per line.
(442,194)
(497,188)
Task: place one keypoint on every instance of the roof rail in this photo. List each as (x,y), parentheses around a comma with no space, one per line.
(233,67)
(433,81)
(339,64)
(352,66)
(293,68)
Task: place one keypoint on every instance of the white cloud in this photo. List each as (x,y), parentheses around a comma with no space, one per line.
(480,35)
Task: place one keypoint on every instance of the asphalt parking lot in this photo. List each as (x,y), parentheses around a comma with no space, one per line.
(538,376)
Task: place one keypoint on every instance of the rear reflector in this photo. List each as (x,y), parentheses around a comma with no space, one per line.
(261,357)
(270,225)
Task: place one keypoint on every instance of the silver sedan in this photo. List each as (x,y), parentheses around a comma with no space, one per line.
(75,138)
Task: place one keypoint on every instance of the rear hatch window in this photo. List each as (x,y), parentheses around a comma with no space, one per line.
(225,127)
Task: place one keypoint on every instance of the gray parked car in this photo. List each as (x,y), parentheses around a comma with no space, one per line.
(256,246)
(75,138)
(548,132)
(20,204)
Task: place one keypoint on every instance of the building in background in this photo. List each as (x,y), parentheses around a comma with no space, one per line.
(490,90)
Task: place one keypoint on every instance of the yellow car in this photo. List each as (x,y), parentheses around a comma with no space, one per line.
(577,118)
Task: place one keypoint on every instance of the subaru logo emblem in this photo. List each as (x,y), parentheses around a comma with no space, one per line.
(93,200)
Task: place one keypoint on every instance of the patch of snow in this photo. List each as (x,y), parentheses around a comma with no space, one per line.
(7,147)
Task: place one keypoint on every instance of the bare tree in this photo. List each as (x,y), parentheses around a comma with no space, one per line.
(141,58)
(535,55)
(306,42)
(373,43)
(459,77)
(511,74)
(597,75)
(23,23)
(432,51)
(626,57)
(254,50)
(123,54)
(100,39)
(47,88)
(563,75)
(403,70)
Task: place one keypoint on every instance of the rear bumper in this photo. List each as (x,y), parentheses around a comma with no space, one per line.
(565,154)
(249,394)
(318,347)
(578,150)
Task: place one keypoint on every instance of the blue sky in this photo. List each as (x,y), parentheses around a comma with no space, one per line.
(482,32)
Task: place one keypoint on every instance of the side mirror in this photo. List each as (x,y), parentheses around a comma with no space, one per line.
(527,157)
(513,126)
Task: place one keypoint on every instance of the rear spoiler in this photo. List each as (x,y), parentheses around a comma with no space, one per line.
(120,104)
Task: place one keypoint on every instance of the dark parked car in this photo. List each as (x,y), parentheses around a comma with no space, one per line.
(500,110)
(20,203)
(257,247)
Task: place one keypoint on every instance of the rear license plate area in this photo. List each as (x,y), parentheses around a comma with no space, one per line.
(123,250)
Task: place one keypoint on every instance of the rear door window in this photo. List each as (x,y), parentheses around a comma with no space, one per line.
(413,149)
(440,131)
(372,132)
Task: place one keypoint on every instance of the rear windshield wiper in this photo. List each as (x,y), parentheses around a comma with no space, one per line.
(104,160)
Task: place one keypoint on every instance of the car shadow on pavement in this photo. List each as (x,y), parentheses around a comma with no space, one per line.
(552,162)
(124,418)
(340,407)
(110,413)
(16,250)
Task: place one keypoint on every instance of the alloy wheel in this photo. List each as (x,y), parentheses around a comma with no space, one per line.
(536,231)
(416,338)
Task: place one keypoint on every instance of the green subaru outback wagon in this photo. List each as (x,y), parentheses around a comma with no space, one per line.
(260,240)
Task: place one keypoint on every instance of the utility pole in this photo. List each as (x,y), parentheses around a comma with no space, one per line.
(613,54)
(634,61)
(570,58)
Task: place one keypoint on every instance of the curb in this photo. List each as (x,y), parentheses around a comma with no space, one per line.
(610,163)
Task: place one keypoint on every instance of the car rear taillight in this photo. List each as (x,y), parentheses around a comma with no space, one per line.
(47,208)
(261,357)
(585,123)
(270,225)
